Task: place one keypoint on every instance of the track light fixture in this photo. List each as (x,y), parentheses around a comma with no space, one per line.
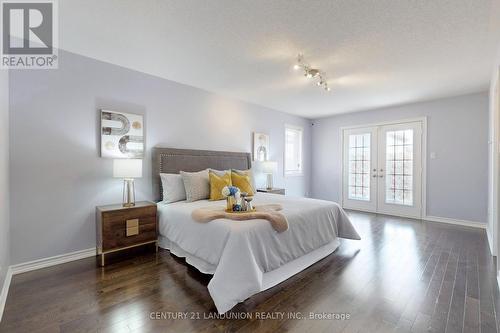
(311,73)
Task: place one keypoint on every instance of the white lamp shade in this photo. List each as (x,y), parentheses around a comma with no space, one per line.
(269,166)
(127,168)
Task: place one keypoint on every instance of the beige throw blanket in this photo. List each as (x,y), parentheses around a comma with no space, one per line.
(267,212)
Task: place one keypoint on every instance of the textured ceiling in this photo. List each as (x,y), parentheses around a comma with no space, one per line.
(375,53)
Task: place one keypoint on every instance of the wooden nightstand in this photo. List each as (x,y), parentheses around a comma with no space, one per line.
(120,228)
(273,190)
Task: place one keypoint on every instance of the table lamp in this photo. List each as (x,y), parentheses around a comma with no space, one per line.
(128,169)
(269,167)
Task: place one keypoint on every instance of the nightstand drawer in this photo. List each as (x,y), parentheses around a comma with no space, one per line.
(120,222)
(114,238)
(119,215)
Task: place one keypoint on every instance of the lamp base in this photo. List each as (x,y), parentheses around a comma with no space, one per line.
(269,184)
(128,192)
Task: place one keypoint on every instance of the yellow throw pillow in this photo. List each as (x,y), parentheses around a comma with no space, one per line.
(242,182)
(217,183)
(248,173)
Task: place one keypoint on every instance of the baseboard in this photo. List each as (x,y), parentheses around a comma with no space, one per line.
(52,261)
(465,223)
(5,291)
(37,264)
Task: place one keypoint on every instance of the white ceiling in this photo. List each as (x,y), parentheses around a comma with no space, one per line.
(375,53)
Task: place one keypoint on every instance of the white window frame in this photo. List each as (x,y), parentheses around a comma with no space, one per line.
(301,151)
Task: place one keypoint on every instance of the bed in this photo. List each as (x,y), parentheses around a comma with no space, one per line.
(245,257)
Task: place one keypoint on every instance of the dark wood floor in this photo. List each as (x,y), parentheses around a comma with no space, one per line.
(404,276)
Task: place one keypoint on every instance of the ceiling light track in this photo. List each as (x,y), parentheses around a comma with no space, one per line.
(312,73)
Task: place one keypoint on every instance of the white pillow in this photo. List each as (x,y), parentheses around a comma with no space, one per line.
(196,184)
(173,187)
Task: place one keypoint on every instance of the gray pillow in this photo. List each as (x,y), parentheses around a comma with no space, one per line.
(196,184)
(173,187)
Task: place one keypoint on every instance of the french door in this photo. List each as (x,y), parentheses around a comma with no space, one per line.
(382,169)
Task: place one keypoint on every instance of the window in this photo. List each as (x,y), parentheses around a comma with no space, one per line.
(293,150)
(399,166)
(359,166)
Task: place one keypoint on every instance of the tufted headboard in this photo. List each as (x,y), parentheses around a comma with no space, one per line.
(172,160)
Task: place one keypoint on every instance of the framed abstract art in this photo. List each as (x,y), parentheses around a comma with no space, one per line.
(122,135)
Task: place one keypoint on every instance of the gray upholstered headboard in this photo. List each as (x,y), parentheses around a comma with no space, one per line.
(172,160)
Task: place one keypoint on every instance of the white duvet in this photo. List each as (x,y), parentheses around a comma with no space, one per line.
(238,253)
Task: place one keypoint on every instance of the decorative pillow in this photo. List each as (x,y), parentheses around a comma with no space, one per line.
(219,173)
(248,173)
(217,183)
(196,185)
(243,182)
(173,187)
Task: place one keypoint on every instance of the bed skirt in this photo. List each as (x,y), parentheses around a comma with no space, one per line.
(269,279)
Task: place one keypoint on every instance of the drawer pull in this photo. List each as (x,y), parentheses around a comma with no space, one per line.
(132,227)
(132,223)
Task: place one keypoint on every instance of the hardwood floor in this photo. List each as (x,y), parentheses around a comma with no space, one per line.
(403,276)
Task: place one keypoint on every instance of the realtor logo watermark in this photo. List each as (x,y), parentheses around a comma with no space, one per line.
(29,34)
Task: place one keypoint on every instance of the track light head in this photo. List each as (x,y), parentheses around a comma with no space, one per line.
(311,72)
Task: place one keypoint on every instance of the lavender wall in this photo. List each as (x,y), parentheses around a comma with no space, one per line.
(57,176)
(457,179)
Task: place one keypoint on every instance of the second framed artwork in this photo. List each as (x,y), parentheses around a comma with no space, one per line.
(260,146)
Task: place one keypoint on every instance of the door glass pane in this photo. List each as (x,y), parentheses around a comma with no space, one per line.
(359,166)
(399,167)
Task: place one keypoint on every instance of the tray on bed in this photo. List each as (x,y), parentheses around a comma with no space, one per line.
(230,211)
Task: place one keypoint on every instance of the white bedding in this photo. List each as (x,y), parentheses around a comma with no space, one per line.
(239,253)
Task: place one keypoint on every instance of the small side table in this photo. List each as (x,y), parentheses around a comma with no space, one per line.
(120,228)
(273,190)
